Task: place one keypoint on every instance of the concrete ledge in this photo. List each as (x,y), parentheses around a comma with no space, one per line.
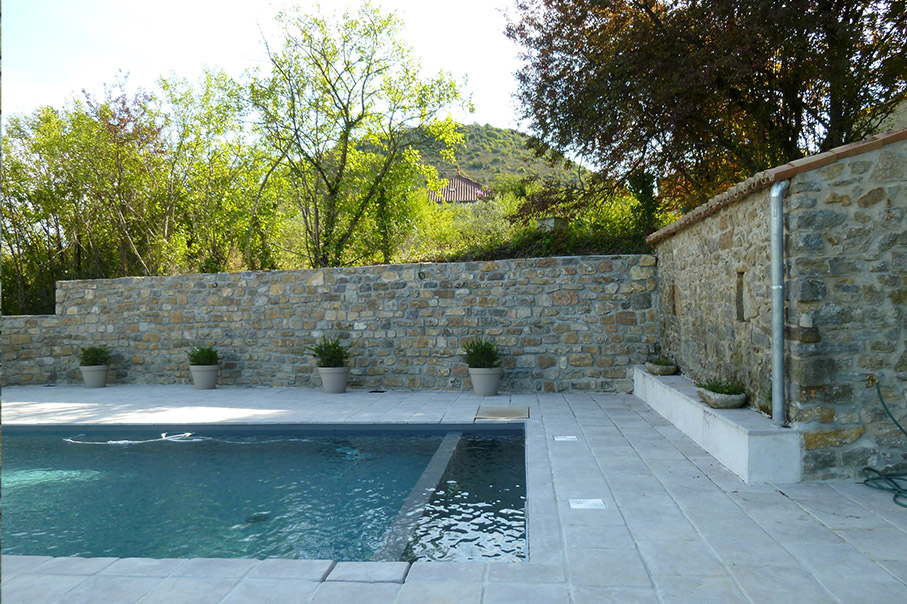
(743,440)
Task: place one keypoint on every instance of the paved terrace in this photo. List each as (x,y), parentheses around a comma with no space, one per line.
(675,527)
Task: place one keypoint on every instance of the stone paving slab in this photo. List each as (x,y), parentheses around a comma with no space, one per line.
(675,526)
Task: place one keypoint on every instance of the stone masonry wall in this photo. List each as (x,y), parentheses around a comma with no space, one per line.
(564,324)
(846,289)
(847,311)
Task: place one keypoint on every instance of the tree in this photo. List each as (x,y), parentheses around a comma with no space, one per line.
(215,168)
(703,94)
(343,111)
(84,196)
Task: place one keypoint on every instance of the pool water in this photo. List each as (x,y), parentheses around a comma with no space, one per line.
(284,494)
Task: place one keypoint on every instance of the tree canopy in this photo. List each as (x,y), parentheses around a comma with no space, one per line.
(343,111)
(704,94)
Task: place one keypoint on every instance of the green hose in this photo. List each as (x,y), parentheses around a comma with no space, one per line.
(892,482)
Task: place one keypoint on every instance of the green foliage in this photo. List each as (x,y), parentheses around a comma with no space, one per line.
(330,353)
(653,86)
(202,355)
(481,354)
(721,387)
(342,105)
(497,156)
(93,356)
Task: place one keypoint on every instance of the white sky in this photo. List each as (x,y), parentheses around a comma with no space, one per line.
(52,49)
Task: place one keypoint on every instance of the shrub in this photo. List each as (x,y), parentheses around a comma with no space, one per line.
(481,354)
(202,355)
(94,356)
(720,387)
(330,353)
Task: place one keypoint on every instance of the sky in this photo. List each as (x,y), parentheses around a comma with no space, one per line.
(53,49)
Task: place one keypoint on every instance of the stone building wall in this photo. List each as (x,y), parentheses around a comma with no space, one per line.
(564,324)
(846,290)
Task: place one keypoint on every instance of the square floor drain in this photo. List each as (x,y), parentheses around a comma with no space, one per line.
(503,413)
(565,438)
(587,504)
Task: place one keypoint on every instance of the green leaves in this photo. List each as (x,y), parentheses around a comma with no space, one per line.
(342,105)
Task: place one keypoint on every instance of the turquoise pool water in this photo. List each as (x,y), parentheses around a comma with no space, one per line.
(288,493)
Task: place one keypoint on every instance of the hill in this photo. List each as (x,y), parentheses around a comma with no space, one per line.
(490,153)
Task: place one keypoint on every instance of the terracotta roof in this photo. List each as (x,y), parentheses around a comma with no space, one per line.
(459,189)
(765,179)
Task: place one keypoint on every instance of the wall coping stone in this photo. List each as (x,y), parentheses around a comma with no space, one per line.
(765,179)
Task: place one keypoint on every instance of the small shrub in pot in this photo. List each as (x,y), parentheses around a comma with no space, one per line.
(484,361)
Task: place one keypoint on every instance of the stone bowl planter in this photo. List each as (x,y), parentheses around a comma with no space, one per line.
(656,369)
(485,381)
(721,401)
(204,377)
(333,379)
(94,376)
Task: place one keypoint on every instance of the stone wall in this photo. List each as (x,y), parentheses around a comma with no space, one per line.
(564,324)
(846,290)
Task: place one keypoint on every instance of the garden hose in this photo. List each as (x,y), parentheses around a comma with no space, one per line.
(891,482)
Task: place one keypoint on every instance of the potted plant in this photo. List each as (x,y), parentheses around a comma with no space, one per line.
(331,357)
(94,363)
(661,366)
(204,367)
(484,361)
(721,395)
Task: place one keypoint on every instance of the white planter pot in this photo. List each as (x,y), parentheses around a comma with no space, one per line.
(485,381)
(94,376)
(721,401)
(333,379)
(204,376)
(661,369)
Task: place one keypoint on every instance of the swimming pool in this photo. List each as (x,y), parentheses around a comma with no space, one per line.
(306,492)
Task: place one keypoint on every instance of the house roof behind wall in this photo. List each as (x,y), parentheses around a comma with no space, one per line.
(765,179)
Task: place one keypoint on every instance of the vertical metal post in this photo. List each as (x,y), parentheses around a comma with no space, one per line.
(779,410)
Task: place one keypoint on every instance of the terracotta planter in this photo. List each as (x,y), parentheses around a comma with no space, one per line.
(94,376)
(485,381)
(333,379)
(655,369)
(721,401)
(204,376)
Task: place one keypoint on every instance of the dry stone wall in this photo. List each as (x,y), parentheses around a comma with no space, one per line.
(564,324)
(846,310)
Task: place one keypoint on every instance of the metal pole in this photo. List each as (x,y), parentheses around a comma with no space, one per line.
(779,410)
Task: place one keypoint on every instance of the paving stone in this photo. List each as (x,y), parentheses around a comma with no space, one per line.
(369,572)
(271,591)
(526,573)
(215,567)
(687,558)
(511,593)
(145,567)
(304,570)
(770,583)
(462,572)
(878,543)
(700,590)
(190,590)
(607,567)
(38,589)
(355,593)
(438,592)
(111,590)
(604,536)
(75,566)
(14,565)
(614,595)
